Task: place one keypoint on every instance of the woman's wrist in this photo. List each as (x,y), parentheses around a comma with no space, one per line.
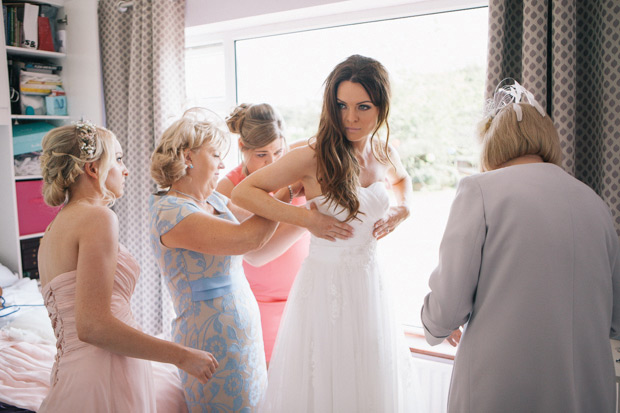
(284,194)
(403,212)
(290,193)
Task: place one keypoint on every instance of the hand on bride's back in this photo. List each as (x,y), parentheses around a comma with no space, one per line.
(328,227)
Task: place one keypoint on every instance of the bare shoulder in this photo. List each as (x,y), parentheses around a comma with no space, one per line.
(89,220)
(77,229)
(298,144)
(97,214)
(390,148)
(303,150)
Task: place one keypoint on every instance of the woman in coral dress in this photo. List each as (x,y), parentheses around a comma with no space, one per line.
(262,142)
(88,279)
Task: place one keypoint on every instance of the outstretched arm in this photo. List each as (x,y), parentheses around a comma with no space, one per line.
(95,323)
(298,165)
(401,185)
(285,236)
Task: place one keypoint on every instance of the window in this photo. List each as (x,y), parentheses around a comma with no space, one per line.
(206,91)
(437,64)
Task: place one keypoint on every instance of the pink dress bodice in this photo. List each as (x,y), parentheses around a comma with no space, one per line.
(86,377)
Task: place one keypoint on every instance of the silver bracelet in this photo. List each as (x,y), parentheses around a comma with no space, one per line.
(290,192)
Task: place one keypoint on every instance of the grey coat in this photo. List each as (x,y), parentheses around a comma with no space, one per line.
(530,261)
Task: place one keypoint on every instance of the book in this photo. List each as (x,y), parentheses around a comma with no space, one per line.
(41,67)
(30,26)
(46,40)
(16,18)
(6,20)
(51,12)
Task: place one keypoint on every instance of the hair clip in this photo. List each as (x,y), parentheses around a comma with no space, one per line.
(86,133)
(511,94)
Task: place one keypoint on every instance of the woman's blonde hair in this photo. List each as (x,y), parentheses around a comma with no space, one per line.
(504,138)
(195,128)
(257,125)
(337,166)
(64,156)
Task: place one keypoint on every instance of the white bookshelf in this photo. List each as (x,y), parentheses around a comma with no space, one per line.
(81,76)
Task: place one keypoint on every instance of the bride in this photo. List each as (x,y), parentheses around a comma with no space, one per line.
(339,348)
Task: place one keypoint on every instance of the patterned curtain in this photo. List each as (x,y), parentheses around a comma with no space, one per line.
(142,53)
(567,52)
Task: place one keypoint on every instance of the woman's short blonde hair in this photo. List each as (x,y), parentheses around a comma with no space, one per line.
(63,160)
(195,128)
(504,138)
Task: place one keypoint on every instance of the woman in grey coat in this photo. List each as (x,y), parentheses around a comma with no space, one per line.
(530,264)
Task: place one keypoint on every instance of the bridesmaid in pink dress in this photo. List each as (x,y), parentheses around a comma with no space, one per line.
(88,279)
(271,270)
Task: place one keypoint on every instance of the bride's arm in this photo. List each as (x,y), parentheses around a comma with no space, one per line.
(401,186)
(298,165)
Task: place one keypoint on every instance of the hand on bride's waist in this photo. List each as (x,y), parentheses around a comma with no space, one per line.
(327,227)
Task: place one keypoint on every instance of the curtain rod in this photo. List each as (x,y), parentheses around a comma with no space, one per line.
(124,5)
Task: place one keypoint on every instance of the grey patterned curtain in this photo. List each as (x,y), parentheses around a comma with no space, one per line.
(142,53)
(567,52)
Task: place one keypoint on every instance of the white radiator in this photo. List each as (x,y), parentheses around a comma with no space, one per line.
(435,376)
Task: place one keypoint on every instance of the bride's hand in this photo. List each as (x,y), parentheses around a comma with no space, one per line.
(327,227)
(393,218)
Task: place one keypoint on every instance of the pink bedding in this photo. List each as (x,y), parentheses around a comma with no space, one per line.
(25,371)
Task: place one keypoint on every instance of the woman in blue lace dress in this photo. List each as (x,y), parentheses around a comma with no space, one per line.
(198,237)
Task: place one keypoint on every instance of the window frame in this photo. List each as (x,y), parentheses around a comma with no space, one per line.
(227,33)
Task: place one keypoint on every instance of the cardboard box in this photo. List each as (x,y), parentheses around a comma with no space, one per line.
(27,136)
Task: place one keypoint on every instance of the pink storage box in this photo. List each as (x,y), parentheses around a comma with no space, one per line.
(32,212)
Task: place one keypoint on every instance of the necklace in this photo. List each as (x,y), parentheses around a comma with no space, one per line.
(189,196)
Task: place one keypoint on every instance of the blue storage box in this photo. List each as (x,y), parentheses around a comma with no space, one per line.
(27,137)
(56,105)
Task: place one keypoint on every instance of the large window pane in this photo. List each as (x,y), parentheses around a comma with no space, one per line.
(437,65)
(205,75)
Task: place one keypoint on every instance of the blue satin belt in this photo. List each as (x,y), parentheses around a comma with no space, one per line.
(209,288)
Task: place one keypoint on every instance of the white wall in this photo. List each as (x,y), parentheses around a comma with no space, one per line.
(198,12)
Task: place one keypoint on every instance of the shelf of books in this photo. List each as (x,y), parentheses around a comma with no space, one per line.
(23,51)
(50,74)
(35,54)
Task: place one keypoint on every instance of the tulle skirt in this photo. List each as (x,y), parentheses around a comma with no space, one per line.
(339,347)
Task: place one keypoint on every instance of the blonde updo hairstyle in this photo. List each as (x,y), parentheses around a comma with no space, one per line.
(63,161)
(504,138)
(257,125)
(190,132)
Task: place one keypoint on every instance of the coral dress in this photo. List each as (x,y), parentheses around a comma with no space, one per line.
(86,378)
(272,282)
(339,348)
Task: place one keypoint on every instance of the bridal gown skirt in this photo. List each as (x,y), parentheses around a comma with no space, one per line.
(339,348)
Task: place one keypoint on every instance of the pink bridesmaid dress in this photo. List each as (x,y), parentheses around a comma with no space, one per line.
(86,378)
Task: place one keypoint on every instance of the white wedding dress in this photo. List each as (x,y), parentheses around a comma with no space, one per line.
(339,348)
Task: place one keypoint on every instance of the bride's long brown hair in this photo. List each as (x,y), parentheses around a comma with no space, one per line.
(337,167)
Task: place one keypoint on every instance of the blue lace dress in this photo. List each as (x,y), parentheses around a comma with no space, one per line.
(215,311)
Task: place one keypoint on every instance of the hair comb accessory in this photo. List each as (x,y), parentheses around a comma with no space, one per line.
(510,92)
(86,133)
